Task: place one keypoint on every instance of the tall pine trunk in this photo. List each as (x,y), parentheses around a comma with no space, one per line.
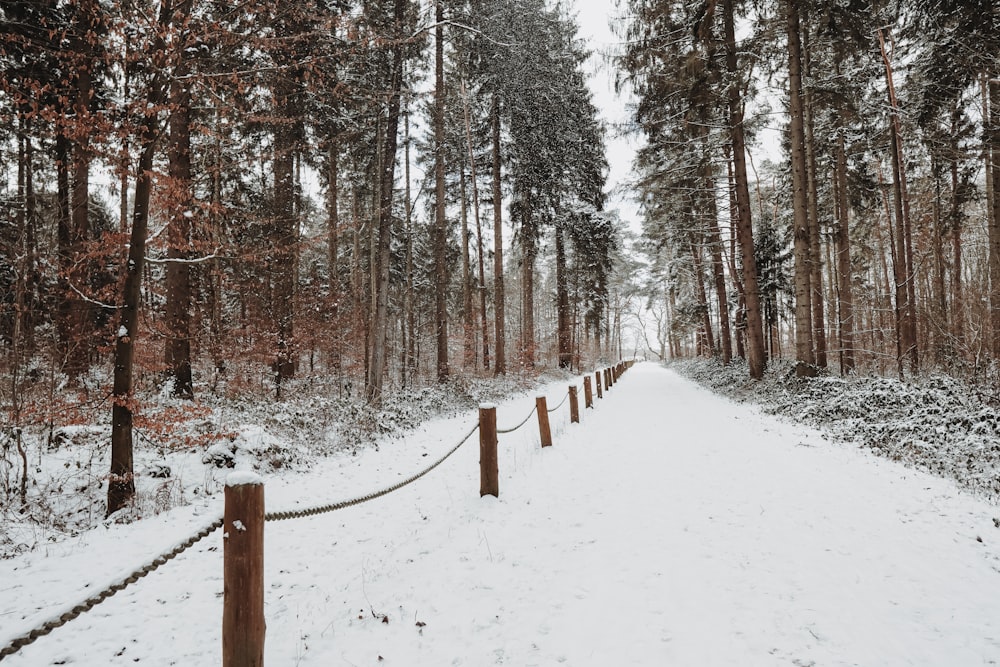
(754,330)
(333,247)
(800,200)
(440,237)
(500,365)
(479,230)
(177,351)
(992,151)
(121,480)
(468,311)
(379,329)
(529,251)
(818,296)
(845,295)
(563,334)
(714,240)
(905,290)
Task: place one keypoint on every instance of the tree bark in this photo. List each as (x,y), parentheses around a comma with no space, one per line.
(529,250)
(957,300)
(714,240)
(479,230)
(285,231)
(905,291)
(563,335)
(121,480)
(379,329)
(468,310)
(992,150)
(333,247)
(817,297)
(177,351)
(706,341)
(440,222)
(754,332)
(800,200)
(80,311)
(410,342)
(845,296)
(500,365)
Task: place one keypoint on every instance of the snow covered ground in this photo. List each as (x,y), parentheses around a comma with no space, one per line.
(670,527)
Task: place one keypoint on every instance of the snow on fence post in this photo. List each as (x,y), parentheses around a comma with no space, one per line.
(599,383)
(588,394)
(489,473)
(544,434)
(574,406)
(243,571)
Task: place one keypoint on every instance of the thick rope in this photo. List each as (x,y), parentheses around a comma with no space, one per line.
(18,643)
(332,507)
(551,410)
(501,431)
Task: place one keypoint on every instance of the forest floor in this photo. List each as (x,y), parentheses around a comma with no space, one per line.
(671,526)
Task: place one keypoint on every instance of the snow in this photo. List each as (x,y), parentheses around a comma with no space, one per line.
(670,527)
(243,478)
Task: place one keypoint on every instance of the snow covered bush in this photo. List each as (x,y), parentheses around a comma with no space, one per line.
(934,423)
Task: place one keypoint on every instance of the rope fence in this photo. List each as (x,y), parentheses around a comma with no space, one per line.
(523,422)
(243,621)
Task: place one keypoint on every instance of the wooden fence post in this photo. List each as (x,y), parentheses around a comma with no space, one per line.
(544,434)
(608,380)
(588,394)
(574,406)
(600,384)
(489,484)
(243,571)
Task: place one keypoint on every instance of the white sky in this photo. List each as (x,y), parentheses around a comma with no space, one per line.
(594,20)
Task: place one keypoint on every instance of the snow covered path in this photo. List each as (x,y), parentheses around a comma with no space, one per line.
(670,527)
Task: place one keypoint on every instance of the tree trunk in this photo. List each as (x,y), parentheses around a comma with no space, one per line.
(755,334)
(285,232)
(28,276)
(845,296)
(529,250)
(500,365)
(121,481)
(563,335)
(706,340)
(800,200)
(939,295)
(64,236)
(409,344)
(177,351)
(81,312)
(817,298)
(379,329)
(215,270)
(718,270)
(957,300)
(333,248)
(479,230)
(992,150)
(468,310)
(440,223)
(905,291)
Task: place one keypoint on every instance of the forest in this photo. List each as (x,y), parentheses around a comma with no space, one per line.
(208,204)
(871,245)
(206,200)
